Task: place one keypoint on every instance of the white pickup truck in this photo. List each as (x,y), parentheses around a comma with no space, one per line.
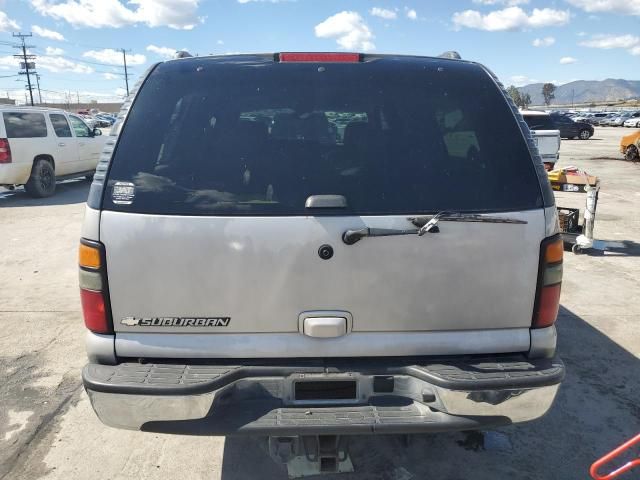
(41,145)
(545,135)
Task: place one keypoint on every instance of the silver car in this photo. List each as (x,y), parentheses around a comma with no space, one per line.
(295,244)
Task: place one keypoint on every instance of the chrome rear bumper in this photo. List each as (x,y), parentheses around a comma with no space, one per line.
(227,400)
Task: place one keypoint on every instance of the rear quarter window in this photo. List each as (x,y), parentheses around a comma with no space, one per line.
(249,136)
(24,125)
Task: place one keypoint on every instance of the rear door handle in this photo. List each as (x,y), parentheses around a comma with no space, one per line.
(61,144)
(81,144)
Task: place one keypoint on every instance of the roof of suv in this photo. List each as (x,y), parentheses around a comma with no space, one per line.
(23,108)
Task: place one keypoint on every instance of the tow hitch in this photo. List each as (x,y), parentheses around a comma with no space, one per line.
(312,455)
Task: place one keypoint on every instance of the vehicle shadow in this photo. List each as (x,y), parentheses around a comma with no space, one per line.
(596,410)
(67,192)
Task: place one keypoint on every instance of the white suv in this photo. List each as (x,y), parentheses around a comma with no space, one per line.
(40,145)
(305,244)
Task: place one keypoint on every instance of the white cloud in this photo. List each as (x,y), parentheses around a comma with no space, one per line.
(412,14)
(511,19)
(114,57)
(349,30)
(568,60)
(263,1)
(383,13)
(46,33)
(177,14)
(220,42)
(165,52)
(509,3)
(110,76)
(6,24)
(53,51)
(8,62)
(59,64)
(543,42)
(625,7)
(607,42)
(611,41)
(522,80)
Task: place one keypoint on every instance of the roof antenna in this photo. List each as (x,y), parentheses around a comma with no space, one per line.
(451,54)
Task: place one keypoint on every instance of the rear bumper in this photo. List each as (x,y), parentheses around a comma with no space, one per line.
(16,173)
(390,396)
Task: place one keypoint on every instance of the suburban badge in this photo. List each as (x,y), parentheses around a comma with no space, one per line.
(176,322)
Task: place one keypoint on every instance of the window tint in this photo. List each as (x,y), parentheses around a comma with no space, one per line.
(79,126)
(24,125)
(539,122)
(60,125)
(253,137)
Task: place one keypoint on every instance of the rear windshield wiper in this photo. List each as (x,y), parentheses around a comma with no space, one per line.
(425,224)
(352,236)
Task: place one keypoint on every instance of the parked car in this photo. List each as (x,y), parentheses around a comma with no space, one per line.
(602,119)
(630,146)
(365,255)
(618,120)
(632,122)
(40,145)
(101,121)
(89,120)
(582,117)
(545,134)
(572,129)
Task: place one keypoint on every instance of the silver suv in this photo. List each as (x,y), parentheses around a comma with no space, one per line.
(320,244)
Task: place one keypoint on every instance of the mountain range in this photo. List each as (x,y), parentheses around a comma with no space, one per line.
(586,91)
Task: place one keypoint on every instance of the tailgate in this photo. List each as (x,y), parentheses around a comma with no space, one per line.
(262,273)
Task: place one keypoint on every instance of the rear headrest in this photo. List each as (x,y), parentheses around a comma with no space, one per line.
(284,125)
(315,127)
(250,131)
(356,135)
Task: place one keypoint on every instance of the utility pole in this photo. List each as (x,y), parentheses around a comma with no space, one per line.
(78,99)
(126,74)
(38,83)
(25,59)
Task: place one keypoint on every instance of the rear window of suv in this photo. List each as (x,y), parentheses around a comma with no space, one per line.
(539,122)
(24,125)
(249,136)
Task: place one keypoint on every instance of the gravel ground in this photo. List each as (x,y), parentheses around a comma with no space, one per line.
(48,430)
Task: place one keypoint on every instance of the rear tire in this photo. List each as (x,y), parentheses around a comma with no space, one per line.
(89,177)
(584,134)
(42,182)
(631,153)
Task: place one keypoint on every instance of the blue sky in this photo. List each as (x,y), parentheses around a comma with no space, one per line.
(522,41)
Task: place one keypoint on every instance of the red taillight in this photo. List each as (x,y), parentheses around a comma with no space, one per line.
(5,151)
(549,283)
(93,287)
(319,57)
(94,311)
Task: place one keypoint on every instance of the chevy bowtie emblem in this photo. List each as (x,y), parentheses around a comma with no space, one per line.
(176,321)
